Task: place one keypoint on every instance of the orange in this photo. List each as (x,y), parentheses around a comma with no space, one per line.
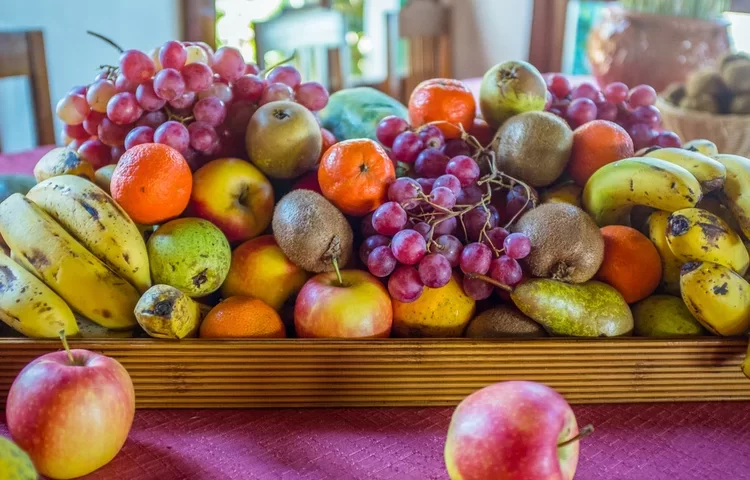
(631,263)
(152,183)
(446,102)
(354,175)
(596,144)
(242,317)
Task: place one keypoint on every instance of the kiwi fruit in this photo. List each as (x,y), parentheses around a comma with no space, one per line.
(502,322)
(740,104)
(566,244)
(737,76)
(674,93)
(311,232)
(534,147)
(731,57)
(702,103)
(704,82)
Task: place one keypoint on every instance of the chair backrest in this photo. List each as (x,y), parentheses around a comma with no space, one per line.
(318,37)
(426,26)
(22,54)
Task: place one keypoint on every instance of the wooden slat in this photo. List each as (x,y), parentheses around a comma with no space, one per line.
(325,373)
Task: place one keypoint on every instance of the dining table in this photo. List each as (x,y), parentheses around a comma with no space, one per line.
(643,441)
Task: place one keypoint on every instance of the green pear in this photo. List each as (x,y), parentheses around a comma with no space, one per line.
(590,309)
(665,316)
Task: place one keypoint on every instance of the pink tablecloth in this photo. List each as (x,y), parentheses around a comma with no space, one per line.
(22,162)
(706,441)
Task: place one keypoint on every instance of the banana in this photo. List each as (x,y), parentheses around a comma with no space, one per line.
(614,189)
(565,193)
(695,235)
(709,172)
(62,161)
(89,329)
(166,312)
(711,203)
(706,147)
(98,223)
(717,297)
(736,191)
(31,307)
(670,264)
(53,255)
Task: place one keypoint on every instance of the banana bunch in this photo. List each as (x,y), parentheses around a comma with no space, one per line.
(717,296)
(73,240)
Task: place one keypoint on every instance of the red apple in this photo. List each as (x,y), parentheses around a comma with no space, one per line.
(357,308)
(308,181)
(233,195)
(511,431)
(71,417)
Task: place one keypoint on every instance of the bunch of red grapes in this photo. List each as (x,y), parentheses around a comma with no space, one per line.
(183,95)
(633,109)
(444,219)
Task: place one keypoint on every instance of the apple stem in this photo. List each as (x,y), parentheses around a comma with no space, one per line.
(67,347)
(582,433)
(490,280)
(338,271)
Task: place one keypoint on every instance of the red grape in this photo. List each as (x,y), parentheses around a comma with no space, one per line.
(404,284)
(248,87)
(607,111)
(174,134)
(99,93)
(122,84)
(228,64)
(477,289)
(559,85)
(423,228)
(469,195)
(285,74)
(210,110)
(431,136)
(581,111)
(404,190)
(76,143)
(169,84)
(197,76)
(616,92)
(203,137)
(78,90)
(667,139)
(515,201)
(434,270)
(478,218)
(381,261)
(495,237)
(276,92)
(112,134)
(517,246)
(196,54)
(641,96)
(648,114)
(117,153)
(431,163)
(96,153)
(561,106)
(101,75)
(409,247)
(312,95)
(152,119)
(506,270)
(585,90)
(91,124)
(449,181)
(136,66)
(445,227)
(73,109)
(139,135)
(76,131)
(642,135)
(450,247)
(123,108)
(147,98)
(184,102)
(389,128)
(464,168)
(455,147)
(218,90)
(172,55)
(252,68)
(475,258)
(389,218)
(426,184)
(555,111)
(371,243)
(442,197)
(407,147)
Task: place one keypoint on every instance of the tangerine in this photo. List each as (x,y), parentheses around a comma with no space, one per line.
(354,175)
(596,144)
(631,265)
(152,183)
(242,317)
(446,102)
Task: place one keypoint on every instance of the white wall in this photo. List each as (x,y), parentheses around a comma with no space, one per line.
(72,55)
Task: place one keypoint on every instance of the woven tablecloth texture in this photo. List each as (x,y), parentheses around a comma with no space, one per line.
(706,441)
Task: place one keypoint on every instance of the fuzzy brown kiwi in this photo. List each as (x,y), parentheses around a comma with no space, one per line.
(566,243)
(534,147)
(702,103)
(502,322)
(311,231)
(704,82)
(737,76)
(674,93)
(740,104)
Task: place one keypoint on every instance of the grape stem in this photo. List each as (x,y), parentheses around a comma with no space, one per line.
(582,433)
(108,40)
(173,116)
(490,280)
(267,70)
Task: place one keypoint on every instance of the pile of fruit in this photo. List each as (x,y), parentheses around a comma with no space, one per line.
(238,215)
(723,89)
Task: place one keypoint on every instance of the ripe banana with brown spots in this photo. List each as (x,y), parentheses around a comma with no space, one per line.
(48,251)
(710,173)
(670,265)
(736,191)
(100,224)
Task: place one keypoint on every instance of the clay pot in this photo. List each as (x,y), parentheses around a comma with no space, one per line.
(657,50)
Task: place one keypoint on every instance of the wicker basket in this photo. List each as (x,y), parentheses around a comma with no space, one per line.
(731,133)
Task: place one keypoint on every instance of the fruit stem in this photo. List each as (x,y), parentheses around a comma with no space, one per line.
(102,37)
(582,433)
(67,347)
(338,271)
(490,280)
(267,70)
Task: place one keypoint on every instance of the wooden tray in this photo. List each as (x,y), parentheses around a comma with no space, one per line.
(328,373)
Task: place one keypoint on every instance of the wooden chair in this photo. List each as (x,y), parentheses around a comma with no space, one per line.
(425,25)
(316,35)
(22,54)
